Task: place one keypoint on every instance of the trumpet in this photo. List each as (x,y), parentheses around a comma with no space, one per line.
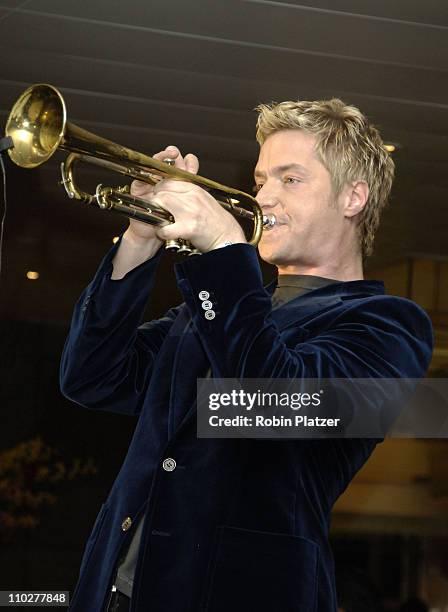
(38,127)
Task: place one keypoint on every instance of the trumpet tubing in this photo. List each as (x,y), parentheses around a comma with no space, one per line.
(38,127)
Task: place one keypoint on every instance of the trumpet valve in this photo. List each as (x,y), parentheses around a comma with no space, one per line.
(172,246)
(185,248)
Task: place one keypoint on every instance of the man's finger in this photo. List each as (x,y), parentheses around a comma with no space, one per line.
(174,153)
(172,187)
(168,203)
(191,163)
(140,188)
(169,232)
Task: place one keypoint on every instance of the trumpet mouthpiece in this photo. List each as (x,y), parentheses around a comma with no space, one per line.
(268,221)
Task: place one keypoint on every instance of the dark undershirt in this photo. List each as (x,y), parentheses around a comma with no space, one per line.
(288,287)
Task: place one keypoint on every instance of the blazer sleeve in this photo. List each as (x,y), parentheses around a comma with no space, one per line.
(108,356)
(382,336)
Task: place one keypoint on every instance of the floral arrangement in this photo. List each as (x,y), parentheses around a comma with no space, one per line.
(30,475)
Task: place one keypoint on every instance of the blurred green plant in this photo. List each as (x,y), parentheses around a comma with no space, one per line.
(32,474)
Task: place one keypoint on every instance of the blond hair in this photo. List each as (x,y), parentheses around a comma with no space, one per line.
(347,144)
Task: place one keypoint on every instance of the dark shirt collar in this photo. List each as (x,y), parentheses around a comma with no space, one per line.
(304,281)
(333,287)
(290,286)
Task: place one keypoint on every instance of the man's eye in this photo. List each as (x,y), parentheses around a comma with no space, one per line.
(257,187)
(291,180)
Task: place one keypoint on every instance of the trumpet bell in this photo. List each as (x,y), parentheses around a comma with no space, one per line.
(37,125)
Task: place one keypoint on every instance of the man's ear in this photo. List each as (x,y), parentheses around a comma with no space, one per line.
(357,194)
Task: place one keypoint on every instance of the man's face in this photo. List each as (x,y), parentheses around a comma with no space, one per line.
(295,186)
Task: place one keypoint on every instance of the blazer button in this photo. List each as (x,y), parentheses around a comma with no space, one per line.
(207,305)
(204,295)
(126,524)
(209,315)
(169,464)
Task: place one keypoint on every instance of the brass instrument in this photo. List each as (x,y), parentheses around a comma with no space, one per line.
(38,126)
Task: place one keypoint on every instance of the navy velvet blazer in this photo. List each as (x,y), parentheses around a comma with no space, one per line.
(239,524)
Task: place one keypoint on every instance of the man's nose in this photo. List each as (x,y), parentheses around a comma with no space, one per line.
(267,201)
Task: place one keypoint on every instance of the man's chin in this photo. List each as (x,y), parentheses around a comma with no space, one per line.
(271,254)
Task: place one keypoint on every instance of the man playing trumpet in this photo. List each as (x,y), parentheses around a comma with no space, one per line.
(194,524)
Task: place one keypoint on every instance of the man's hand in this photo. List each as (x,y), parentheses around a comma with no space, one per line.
(140,241)
(198,216)
(139,232)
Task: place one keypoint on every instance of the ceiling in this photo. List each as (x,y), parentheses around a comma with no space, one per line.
(146,74)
